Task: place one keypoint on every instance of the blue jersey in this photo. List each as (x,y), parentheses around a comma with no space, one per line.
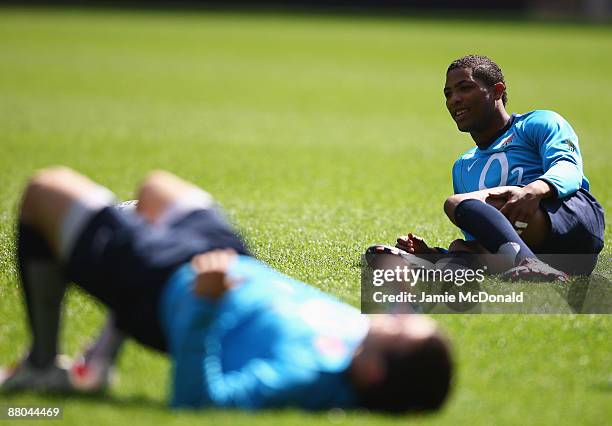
(269,342)
(537,145)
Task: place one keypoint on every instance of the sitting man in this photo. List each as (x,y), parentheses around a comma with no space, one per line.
(179,280)
(521,190)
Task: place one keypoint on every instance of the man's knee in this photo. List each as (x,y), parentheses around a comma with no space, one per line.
(457,245)
(157,191)
(41,183)
(50,177)
(156,179)
(451,203)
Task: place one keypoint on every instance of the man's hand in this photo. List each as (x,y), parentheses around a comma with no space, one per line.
(521,203)
(211,273)
(414,245)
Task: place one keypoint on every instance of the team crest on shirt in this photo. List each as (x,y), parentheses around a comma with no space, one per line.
(504,143)
(571,145)
(331,346)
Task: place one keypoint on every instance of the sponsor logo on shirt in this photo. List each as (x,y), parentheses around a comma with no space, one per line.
(570,145)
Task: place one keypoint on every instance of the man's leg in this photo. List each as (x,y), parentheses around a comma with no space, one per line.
(163,199)
(48,224)
(92,371)
(535,234)
(479,215)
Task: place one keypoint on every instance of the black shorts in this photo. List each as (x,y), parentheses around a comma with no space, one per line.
(576,232)
(125,262)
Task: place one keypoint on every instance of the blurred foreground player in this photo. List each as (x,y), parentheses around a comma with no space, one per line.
(521,190)
(179,280)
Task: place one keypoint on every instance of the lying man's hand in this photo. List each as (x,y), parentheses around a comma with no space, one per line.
(211,269)
(414,244)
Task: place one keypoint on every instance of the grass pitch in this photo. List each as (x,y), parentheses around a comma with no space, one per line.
(320,136)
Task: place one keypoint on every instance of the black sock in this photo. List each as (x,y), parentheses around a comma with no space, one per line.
(43,286)
(490,227)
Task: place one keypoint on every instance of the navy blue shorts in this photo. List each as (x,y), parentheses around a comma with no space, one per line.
(576,232)
(125,262)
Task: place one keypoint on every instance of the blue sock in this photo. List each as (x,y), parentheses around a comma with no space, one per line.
(490,227)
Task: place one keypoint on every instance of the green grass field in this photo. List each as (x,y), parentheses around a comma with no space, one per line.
(320,136)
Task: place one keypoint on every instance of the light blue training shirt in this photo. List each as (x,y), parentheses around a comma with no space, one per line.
(537,145)
(271,341)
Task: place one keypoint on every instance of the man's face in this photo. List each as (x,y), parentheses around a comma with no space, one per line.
(471,102)
(388,334)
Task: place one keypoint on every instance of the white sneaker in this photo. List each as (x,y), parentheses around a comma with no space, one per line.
(531,269)
(24,376)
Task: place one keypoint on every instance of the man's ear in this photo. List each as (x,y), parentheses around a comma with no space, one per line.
(498,90)
(374,371)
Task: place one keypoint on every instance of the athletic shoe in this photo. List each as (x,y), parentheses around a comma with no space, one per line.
(24,376)
(414,261)
(91,376)
(531,269)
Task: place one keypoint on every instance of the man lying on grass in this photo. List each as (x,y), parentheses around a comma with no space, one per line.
(522,189)
(178,279)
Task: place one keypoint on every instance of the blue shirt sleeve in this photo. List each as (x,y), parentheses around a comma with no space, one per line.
(558,146)
(199,379)
(457,190)
(262,383)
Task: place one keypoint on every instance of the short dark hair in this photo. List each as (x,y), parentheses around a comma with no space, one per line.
(483,68)
(416,380)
